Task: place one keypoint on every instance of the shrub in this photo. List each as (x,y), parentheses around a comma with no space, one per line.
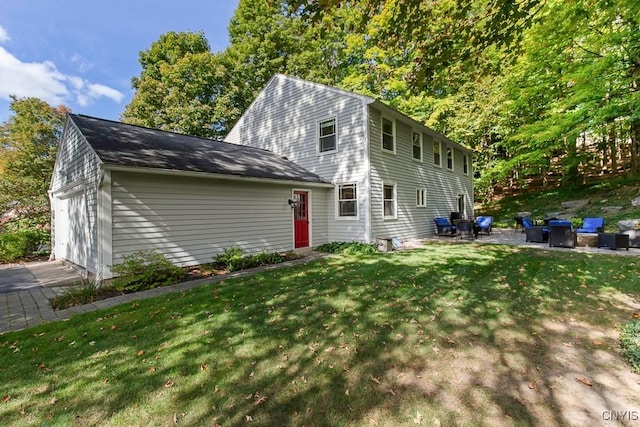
(232,259)
(630,343)
(20,242)
(145,270)
(348,248)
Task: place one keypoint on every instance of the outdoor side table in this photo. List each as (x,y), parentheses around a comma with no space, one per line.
(613,240)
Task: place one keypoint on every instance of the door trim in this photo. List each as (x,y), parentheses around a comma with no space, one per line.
(309,218)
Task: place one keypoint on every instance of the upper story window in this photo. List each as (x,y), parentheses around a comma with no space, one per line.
(347,200)
(449,158)
(389,201)
(388,135)
(436,153)
(465,164)
(416,139)
(327,141)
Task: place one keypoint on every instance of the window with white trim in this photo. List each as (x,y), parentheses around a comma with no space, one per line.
(347,200)
(388,135)
(416,139)
(436,153)
(449,158)
(327,136)
(389,200)
(421,197)
(465,164)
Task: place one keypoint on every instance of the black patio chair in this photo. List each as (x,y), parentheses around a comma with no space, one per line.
(562,234)
(535,233)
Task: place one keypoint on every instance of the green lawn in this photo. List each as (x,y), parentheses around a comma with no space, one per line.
(462,333)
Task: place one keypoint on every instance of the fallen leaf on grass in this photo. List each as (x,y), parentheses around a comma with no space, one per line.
(152,369)
(532,386)
(249,418)
(140,353)
(418,418)
(375,380)
(53,401)
(203,367)
(635,315)
(584,381)
(169,384)
(6,398)
(597,342)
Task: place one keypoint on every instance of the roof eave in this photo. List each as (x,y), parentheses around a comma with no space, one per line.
(210,175)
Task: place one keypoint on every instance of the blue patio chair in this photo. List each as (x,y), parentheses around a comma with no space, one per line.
(592,225)
(535,233)
(444,227)
(562,234)
(483,224)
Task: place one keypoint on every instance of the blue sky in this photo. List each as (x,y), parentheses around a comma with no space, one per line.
(83,53)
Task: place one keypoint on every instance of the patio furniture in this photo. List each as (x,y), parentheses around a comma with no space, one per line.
(465,229)
(483,224)
(454,216)
(444,227)
(534,233)
(561,234)
(613,240)
(634,237)
(592,225)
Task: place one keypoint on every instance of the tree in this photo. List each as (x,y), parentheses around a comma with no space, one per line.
(29,139)
(179,87)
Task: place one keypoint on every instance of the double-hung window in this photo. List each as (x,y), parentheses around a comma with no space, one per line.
(388,135)
(327,141)
(450,158)
(389,201)
(416,139)
(347,200)
(436,153)
(465,164)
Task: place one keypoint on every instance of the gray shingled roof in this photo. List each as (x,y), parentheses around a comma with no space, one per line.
(121,144)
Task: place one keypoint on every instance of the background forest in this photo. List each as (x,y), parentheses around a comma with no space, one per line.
(544,92)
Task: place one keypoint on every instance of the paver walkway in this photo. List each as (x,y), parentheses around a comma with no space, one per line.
(30,306)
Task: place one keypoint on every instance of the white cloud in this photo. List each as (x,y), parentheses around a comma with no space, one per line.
(4,36)
(43,80)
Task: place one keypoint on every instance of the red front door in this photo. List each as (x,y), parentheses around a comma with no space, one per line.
(301,219)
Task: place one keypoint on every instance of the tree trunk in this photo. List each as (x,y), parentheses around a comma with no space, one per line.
(613,147)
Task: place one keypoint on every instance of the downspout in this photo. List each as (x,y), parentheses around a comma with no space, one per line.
(367,140)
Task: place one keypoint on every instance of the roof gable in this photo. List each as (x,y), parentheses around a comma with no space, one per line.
(121,144)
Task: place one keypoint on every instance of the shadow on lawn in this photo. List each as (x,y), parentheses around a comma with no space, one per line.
(465,334)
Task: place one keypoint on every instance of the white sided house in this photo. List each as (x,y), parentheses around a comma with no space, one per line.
(305,165)
(392,175)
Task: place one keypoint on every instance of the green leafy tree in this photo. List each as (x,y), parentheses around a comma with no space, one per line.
(179,87)
(29,141)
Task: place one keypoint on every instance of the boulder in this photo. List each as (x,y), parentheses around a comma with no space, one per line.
(611,209)
(629,224)
(635,202)
(575,204)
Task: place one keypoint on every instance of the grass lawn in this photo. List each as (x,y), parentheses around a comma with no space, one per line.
(459,333)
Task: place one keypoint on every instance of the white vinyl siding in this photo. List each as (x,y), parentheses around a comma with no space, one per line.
(284,119)
(191,220)
(77,162)
(347,205)
(327,139)
(443,186)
